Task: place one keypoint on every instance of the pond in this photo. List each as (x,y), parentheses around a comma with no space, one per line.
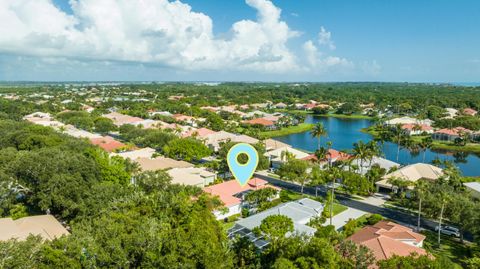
(344,132)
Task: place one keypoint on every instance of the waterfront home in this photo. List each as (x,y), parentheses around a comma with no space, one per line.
(193,176)
(265,123)
(417,129)
(45,226)
(473,188)
(107,143)
(300,212)
(272,144)
(387,239)
(331,157)
(279,156)
(280,105)
(408,120)
(232,195)
(363,167)
(160,163)
(411,173)
(450,134)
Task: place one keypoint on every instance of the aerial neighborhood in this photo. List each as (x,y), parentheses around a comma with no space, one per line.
(370,181)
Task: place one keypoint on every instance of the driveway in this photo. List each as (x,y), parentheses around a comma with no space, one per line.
(342,218)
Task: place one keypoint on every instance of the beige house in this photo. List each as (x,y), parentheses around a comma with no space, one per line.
(45,226)
(214,140)
(278,156)
(194,176)
(136,154)
(160,163)
(411,173)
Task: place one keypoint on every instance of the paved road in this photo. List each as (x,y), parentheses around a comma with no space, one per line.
(398,216)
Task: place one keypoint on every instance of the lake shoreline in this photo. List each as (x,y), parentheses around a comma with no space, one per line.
(436,145)
(302,127)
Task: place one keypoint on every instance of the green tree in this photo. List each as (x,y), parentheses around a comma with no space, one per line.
(275,227)
(104,125)
(318,131)
(187,149)
(294,170)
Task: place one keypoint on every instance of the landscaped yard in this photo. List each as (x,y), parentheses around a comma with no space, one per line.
(450,247)
(302,127)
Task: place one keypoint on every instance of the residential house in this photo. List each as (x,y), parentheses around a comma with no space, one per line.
(107,143)
(411,173)
(417,129)
(279,156)
(364,166)
(121,119)
(332,157)
(136,154)
(214,140)
(193,176)
(386,239)
(272,144)
(451,113)
(187,119)
(408,120)
(267,124)
(232,194)
(45,226)
(160,163)
(474,188)
(470,112)
(300,212)
(280,105)
(198,133)
(72,131)
(450,134)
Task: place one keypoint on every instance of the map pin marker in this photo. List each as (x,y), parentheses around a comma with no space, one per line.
(242,172)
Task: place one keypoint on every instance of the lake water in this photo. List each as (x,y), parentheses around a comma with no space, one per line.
(344,132)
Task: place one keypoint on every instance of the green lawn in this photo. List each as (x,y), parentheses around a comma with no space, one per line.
(338,208)
(450,247)
(302,127)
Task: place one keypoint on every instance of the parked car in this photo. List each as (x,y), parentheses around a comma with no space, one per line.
(449,230)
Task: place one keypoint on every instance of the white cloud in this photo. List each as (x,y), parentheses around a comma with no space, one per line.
(160,33)
(319,62)
(325,38)
(372,68)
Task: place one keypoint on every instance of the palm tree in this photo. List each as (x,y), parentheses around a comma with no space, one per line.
(318,131)
(399,134)
(321,154)
(360,151)
(286,155)
(420,190)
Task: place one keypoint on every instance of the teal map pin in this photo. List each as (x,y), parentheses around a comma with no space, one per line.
(242,172)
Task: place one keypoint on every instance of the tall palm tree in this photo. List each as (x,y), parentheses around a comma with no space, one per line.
(420,190)
(318,131)
(360,151)
(321,154)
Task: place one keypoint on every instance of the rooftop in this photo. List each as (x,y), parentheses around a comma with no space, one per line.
(160,163)
(44,225)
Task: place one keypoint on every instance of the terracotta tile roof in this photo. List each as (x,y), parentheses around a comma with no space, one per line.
(455,131)
(334,155)
(260,121)
(385,239)
(228,189)
(107,143)
(202,132)
(470,111)
(423,127)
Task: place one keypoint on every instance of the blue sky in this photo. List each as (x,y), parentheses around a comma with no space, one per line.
(371,40)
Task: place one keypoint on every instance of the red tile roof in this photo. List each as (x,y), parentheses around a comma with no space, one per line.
(199,132)
(107,143)
(411,127)
(260,121)
(334,155)
(455,131)
(385,240)
(470,111)
(228,189)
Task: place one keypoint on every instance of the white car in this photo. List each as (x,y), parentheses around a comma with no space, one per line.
(449,230)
